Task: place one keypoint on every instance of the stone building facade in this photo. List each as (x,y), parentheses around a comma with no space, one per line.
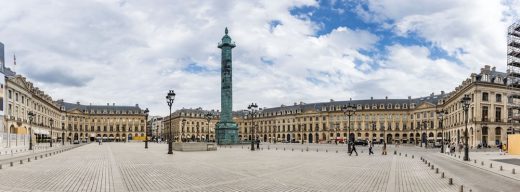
(410,120)
(60,120)
(107,122)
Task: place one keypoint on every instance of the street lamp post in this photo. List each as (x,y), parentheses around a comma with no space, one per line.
(374,131)
(440,115)
(170,97)
(51,121)
(208,116)
(253,110)
(146,111)
(465,106)
(31,116)
(422,135)
(301,130)
(183,137)
(198,133)
(349,110)
(63,134)
(384,137)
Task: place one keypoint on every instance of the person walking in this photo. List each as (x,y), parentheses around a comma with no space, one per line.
(353,149)
(258,143)
(384,148)
(370,152)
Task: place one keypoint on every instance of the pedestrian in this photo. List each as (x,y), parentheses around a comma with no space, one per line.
(353,149)
(258,143)
(384,148)
(370,152)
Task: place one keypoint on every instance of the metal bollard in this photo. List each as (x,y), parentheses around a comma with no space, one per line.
(336,151)
(412,156)
(21,161)
(490,165)
(395,152)
(475,161)
(482,163)
(436,170)
(284,148)
(501,168)
(326,150)
(450,181)
(406,155)
(0,166)
(399,154)
(432,167)
(11,164)
(35,157)
(461,188)
(442,175)
(292,149)
(513,171)
(29,159)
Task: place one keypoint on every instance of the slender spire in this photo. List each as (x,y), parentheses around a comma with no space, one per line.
(226,31)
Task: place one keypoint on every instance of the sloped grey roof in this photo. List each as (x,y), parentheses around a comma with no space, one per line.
(72,106)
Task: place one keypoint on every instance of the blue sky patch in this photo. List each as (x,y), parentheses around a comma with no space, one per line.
(333,14)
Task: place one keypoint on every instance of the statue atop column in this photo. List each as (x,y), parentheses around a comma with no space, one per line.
(227,129)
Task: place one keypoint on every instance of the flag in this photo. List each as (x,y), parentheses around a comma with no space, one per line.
(14,59)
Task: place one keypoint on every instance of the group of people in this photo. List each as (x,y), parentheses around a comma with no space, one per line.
(370,149)
(452,147)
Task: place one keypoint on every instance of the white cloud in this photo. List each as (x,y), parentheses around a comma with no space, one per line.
(131,52)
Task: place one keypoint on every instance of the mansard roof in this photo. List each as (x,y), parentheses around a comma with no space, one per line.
(109,108)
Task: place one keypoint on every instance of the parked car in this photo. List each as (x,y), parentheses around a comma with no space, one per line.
(361,142)
(76,142)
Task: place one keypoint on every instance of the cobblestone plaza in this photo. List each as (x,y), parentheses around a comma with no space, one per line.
(282,167)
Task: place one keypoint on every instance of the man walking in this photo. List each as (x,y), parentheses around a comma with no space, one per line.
(370,152)
(384,148)
(353,149)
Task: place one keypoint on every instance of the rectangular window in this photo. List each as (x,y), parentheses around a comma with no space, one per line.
(498,98)
(485,96)
(484,113)
(498,114)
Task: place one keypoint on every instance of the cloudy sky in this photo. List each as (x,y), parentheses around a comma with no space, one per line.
(128,52)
